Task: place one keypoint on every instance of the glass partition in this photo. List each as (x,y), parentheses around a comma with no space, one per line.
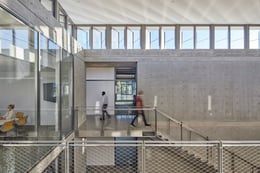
(18,52)
(36,75)
(66,93)
(49,88)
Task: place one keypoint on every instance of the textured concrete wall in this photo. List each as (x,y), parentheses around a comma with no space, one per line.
(183,80)
(31,11)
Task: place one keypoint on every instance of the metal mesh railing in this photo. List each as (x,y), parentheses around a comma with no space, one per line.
(22,156)
(241,157)
(138,156)
(130,156)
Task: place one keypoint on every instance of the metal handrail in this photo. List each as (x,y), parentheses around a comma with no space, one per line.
(183,125)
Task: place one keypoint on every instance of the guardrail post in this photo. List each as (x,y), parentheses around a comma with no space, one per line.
(155,112)
(75,123)
(67,164)
(220,157)
(143,157)
(181,131)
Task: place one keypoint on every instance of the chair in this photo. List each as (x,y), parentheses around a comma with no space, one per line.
(7,126)
(19,114)
(19,123)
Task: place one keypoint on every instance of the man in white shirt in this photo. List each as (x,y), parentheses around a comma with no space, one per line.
(104,103)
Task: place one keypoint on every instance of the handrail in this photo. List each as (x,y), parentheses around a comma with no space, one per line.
(183,125)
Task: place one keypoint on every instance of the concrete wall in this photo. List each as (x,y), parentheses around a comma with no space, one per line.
(31,11)
(183,80)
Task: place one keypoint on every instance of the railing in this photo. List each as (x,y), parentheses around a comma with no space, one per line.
(129,156)
(163,125)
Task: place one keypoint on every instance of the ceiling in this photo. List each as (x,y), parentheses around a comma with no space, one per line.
(163,11)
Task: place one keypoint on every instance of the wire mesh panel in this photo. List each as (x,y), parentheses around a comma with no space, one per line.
(241,158)
(107,157)
(20,157)
(57,165)
(174,159)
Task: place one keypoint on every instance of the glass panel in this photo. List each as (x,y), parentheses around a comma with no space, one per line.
(99,38)
(186,37)
(254,37)
(221,37)
(83,36)
(152,38)
(118,37)
(133,38)
(237,37)
(202,37)
(49,84)
(168,37)
(6,41)
(66,93)
(17,69)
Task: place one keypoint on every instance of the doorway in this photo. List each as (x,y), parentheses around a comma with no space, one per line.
(125,88)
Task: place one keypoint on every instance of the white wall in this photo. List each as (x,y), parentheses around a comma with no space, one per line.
(98,80)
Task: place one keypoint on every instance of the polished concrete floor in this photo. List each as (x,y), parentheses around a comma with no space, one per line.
(116,126)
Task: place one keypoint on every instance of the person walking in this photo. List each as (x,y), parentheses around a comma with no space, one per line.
(139,106)
(104,103)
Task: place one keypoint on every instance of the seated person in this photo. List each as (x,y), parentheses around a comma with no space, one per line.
(10,114)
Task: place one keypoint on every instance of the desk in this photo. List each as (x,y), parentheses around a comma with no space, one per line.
(4,121)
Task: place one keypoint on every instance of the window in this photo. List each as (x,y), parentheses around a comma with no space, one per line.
(202,37)
(237,37)
(133,38)
(99,38)
(221,37)
(152,38)
(118,37)
(186,37)
(83,37)
(254,37)
(168,37)
(62,18)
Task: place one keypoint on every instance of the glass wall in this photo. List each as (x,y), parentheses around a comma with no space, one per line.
(49,87)
(36,75)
